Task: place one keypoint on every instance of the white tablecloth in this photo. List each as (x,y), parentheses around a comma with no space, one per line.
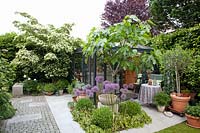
(147,93)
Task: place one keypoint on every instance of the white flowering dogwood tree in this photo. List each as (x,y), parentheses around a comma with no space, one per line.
(44,49)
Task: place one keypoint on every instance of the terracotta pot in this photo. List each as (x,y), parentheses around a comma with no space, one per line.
(81,96)
(130,77)
(192,95)
(107,99)
(48,93)
(161,108)
(193,121)
(74,98)
(179,103)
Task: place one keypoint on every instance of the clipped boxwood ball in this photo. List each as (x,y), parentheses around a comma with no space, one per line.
(130,108)
(84,104)
(102,117)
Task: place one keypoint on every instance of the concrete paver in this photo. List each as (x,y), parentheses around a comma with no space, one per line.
(33,115)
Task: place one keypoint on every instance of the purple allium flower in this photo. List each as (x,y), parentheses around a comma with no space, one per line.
(104,91)
(115,86)
(99,79)
(91,94)
(106,82)
(95,89)
(125,90)
(77,92)
(123,96)
(88,91)
(125,86)
(88,86)
(130,86)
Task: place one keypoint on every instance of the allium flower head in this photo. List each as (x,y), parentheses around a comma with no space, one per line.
(88,86)
(91,94)
(123,96)
(95,89)
(115,86)
(77,92)
(106,82)
(88,91)
(99,79)
(125,86)
(130,86)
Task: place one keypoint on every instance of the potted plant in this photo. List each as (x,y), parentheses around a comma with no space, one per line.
(176,61)
(192,114)
(49,89)
(161,99)
(61,85)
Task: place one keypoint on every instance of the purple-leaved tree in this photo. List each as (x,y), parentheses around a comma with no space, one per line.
(116,10)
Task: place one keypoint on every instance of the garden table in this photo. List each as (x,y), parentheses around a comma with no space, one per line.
(147,93)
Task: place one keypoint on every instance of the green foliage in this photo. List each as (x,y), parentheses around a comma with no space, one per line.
(49,87)
(84,104)
(176,60)
(120,122)
(61,84)
(169,14)
(115,44)
(44,50)
(71,104)
(70,89)
(188,38)
(30,86)
(7,74)
(193,111)
(102,117)
(130,108)
(7,43)
(6,108)
(161,99)
(127,122)
(40,87)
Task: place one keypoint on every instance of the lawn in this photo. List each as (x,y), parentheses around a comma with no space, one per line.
(180,128)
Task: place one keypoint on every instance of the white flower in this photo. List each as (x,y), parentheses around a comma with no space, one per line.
(34,79)
(24,76)
(29,78)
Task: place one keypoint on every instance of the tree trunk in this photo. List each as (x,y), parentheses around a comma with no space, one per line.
(177,80)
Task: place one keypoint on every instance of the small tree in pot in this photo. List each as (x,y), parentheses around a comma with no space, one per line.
(177,60)
(161,99)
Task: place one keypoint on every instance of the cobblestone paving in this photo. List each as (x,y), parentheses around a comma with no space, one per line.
(33,115)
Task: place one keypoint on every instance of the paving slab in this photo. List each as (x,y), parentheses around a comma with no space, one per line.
(33,115)
(62,114)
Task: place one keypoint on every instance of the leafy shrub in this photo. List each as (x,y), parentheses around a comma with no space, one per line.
(40,87)
(102,117)
(70,89)
(61,84)
(84,104)
(193,111)
(161,99)
(49,87)
(30,85)
(129,108)
(6,108)
(84,118)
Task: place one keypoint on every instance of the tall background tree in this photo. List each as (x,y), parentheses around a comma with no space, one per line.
(116,10)
(172,14)
(44,50)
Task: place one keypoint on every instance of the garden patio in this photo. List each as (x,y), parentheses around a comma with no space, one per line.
(138,72)
(54,116)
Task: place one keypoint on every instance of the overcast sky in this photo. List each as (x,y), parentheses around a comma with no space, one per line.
(84,13)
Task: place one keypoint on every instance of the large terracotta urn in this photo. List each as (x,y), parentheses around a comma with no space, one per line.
(179,103)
